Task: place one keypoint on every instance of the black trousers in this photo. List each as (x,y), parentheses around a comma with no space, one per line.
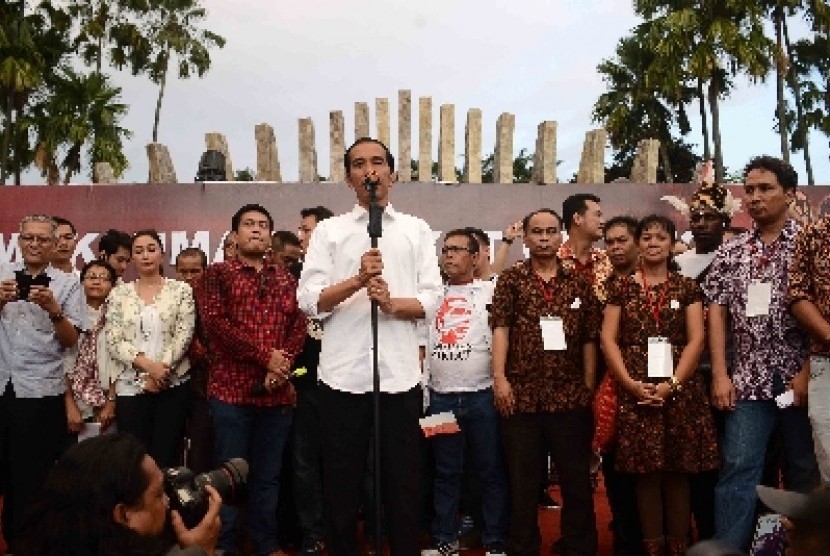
(32,437)
(308,463)
(346,421)
(157,420)
(568,436)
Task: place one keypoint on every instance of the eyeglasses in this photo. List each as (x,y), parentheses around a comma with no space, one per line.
(102,277)
(453,249)
(41,240)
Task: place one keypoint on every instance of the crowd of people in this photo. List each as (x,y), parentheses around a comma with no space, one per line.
(715,361)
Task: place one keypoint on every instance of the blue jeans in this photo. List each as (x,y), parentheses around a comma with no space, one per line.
(257,434)
(477,418)
(746,436)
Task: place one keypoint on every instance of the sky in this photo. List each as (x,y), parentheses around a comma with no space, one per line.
(288,59)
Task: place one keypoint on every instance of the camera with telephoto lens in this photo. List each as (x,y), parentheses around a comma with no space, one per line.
(187,493)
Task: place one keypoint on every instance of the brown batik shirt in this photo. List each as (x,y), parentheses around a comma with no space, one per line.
(545,381)
(810,273)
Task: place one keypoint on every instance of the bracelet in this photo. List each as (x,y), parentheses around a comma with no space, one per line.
(57,317)
(110,398)
(508,241)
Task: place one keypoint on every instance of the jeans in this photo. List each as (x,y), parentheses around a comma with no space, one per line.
(746,434)
(257,434)
(478,420)
(818,406)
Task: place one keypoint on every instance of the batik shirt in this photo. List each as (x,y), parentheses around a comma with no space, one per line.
(597,270)
(810,272)
(765,345)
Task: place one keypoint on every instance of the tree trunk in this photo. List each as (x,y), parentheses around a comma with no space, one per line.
(800,127)
(161,96)
(664,156)
(7,136)
(704,123)
(714,108)
(780,70)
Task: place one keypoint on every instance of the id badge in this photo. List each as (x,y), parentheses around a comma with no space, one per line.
(660,363)
(553,334)
(758,298)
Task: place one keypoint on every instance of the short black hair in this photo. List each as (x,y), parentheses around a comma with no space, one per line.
(251,207)
(112,241)
(193,252)
(472,242)
(667,224)
(390,160)
(61,221)
(628,221)
(786,174)
(99,264)
(319,213)
(281,238)
(482,236)
(526,219)
(576,204)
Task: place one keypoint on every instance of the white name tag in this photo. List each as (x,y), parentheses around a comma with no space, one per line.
(758,298)
(553,334)
(660,362)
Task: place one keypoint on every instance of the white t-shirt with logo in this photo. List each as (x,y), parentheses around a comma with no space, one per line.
(458,350)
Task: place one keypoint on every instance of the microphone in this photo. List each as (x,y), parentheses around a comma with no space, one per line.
(371,181)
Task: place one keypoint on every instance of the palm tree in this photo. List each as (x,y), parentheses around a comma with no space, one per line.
(174,32)
(635,106)
(709,40)
(83,112)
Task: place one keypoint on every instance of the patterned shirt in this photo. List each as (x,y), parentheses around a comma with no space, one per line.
(597,270)
(247,314)
(545,380)
(810,272)
(765,345)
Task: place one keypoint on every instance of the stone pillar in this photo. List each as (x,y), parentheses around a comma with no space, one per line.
(503,159)
(161,165)
(337,146)
(404,135)
(592,163)
(425,139)
(544,160)
(102,173)
(446,144)
(644,169)
(217,142)
(308,152)
(361,120)
(382,120)
(472,146)
(267,155)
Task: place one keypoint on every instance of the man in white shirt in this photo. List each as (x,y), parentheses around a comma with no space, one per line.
(461,382)
(341,274)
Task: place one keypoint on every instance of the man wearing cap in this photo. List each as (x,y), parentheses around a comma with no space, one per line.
(805,517)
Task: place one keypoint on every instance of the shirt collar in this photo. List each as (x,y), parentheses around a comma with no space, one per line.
(788,232)
(359,213)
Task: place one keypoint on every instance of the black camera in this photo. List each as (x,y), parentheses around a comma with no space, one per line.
(187,493)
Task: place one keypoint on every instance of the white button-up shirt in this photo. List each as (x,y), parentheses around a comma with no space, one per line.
(410,267)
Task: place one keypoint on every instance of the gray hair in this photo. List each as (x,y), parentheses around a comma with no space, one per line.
(42,218)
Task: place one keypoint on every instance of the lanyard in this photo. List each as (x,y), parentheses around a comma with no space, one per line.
(548,295)
(661,301)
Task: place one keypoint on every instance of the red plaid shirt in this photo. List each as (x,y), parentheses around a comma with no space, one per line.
(246,314)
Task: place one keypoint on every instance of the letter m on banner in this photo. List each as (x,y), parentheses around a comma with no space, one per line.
(180,241)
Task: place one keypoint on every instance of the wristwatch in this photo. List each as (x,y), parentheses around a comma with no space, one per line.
(676,385)
(57,317)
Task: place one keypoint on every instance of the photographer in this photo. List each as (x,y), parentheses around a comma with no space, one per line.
(105,496)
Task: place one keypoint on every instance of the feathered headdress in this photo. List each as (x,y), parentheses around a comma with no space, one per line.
(708,196)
